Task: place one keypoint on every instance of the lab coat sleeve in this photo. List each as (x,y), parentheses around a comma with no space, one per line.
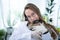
(21,33)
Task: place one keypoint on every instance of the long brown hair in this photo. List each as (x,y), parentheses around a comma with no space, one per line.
(33,8)
(36,9)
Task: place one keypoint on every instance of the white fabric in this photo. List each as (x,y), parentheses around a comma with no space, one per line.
(47,36)
(21,33)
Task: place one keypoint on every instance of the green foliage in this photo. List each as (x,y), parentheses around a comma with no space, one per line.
(58,29)
(49,9)
(50,6)
(2,32)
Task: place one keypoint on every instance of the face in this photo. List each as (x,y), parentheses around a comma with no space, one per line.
(31,15)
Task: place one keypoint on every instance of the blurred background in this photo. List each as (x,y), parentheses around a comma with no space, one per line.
(11,11)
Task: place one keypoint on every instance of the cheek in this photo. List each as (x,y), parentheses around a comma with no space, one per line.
(30,20)
(36,17)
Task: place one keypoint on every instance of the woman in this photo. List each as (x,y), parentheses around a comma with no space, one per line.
(33,16)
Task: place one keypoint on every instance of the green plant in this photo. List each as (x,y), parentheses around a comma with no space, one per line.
(58,29)
(49,10)
(50,6)
(2,34)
